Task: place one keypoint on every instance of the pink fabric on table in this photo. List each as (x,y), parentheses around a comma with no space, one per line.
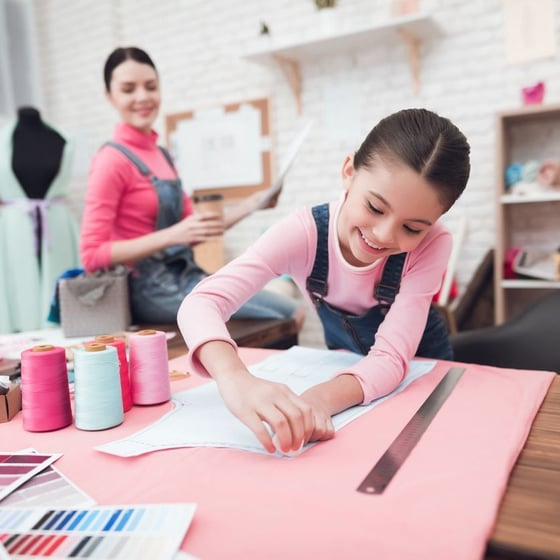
(441,504)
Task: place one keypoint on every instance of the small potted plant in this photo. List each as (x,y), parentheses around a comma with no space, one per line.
(325,4)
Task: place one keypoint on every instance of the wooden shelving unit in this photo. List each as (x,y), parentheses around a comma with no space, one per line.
(523,134)
(411,29)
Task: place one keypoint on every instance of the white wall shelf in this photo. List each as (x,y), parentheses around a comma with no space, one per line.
(523,199)
(411,29)
(529,284)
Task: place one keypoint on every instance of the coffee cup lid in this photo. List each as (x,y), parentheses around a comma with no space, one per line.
(208,197)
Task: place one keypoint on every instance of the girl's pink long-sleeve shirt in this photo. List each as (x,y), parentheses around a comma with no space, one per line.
(289,247)
(120,202)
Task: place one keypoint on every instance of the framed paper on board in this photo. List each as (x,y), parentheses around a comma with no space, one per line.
(225,149)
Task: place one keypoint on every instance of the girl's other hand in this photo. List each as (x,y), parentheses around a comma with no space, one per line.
(323,427)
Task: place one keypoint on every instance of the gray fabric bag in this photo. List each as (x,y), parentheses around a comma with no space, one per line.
(94,304)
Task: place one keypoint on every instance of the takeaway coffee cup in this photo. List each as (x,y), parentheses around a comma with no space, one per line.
(210,203)
(210,254)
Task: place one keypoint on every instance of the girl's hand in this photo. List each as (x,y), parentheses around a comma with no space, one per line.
(256,401)
(329,398)
(323,427)
(197,228)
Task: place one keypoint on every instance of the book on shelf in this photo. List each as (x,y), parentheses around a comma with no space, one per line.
(538,263)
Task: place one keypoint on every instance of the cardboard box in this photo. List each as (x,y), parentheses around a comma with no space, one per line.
(10,403)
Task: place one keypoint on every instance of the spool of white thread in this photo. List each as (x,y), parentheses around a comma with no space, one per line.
(149,367)
(97,387)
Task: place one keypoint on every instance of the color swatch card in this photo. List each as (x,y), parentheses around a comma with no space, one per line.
(139,532)
(49,488)
(17,468)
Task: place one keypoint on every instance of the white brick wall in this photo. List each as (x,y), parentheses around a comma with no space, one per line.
(197,45)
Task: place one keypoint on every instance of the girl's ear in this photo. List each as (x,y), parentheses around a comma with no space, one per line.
(348,171)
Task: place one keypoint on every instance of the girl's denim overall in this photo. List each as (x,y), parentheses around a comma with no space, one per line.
(357,332)
(158,284)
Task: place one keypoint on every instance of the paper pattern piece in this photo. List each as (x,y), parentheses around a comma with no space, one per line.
(201,419)
(142,532)
(17,468)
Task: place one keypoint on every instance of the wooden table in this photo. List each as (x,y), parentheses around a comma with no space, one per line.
(278,334)
(528,523)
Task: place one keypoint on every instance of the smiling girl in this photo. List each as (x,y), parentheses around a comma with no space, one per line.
(137,214)
(369,264)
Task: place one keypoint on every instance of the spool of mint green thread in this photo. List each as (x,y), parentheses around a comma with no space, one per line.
(97,387)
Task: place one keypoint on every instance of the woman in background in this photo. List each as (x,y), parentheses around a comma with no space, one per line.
(137,213)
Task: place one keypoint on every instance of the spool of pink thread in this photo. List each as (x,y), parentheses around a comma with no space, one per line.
(149,367)
(120,345)
(45,396)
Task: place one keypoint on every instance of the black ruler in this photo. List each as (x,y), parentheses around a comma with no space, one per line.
(385,469)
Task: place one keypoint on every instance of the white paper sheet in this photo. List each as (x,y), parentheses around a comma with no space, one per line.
(289,159)
(12,345)
(220,149)
(529,30)
(201,419)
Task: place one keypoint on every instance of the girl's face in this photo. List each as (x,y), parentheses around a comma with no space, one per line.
(388,209)
(134,93)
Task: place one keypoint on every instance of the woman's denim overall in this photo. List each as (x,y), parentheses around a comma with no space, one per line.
(158,284)
(357,332)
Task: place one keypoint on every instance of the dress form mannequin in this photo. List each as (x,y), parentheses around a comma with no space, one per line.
(37,153)
(39,233)
(36,157)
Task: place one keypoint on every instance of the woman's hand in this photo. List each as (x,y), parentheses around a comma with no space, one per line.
(256,401)
(197,228)
(260,200)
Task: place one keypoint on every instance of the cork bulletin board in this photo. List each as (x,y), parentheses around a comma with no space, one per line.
(225,149)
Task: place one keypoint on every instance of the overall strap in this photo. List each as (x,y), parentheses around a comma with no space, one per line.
(142,167)
(167,157)
(316,282)
(388,287)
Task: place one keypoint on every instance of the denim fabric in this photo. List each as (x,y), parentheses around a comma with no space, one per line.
(159,284)
(357,332)
(267,304)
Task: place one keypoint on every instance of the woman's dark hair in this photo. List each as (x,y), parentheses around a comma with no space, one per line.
(427,143)
(118,56)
